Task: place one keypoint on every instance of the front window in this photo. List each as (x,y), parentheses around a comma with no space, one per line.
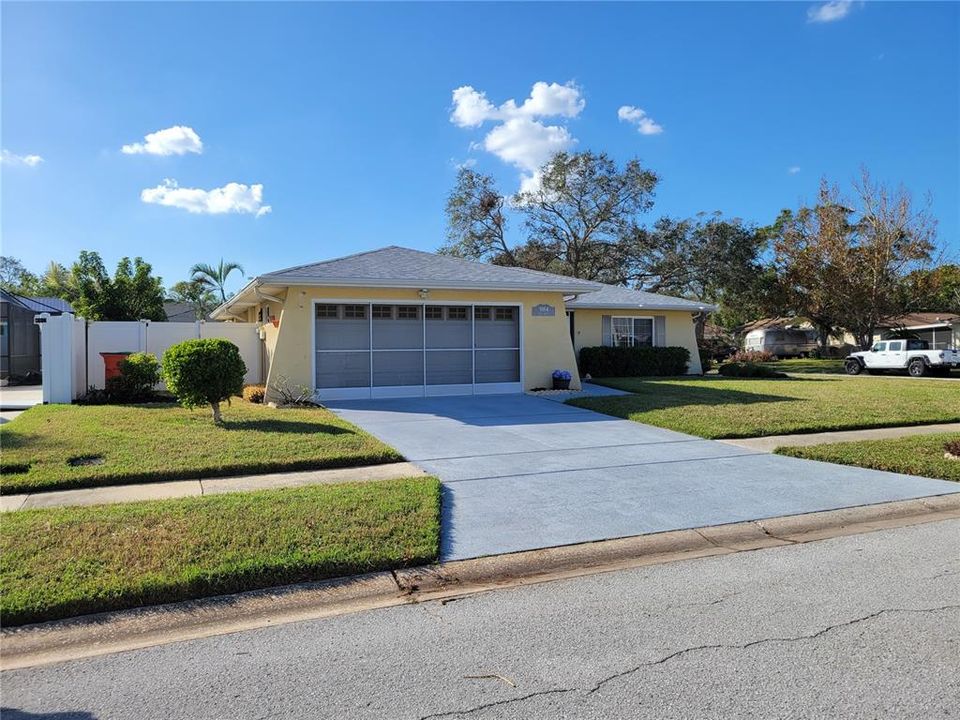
(879,347)
(632,332)
(896,346)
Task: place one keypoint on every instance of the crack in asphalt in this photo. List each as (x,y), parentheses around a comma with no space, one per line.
(679,653)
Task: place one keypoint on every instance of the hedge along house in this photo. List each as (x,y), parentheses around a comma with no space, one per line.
(397,322)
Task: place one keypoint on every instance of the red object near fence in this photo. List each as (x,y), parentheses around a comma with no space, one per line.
(111,364)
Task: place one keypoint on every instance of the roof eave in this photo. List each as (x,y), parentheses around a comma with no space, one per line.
(567,288)
(638,306)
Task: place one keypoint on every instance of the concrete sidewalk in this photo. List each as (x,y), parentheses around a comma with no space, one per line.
(20,397)
(772,442)
(209,486)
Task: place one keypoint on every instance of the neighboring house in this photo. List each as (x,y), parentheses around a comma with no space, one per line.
(398,322)
(20,336)
(181,312)
(941,330)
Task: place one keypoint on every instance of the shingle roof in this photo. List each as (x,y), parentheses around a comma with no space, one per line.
(402,267)
(920,319)
(615,296)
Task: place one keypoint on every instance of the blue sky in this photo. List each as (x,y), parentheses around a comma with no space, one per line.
(342,113)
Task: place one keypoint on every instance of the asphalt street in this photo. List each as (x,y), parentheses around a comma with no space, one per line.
(858,626)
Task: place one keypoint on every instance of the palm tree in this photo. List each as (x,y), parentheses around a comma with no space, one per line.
(215,277)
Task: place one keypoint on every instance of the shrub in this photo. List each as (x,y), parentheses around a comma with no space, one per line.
(139,373)
(204,372)
(953,447)
(605,361)
(752,356)
(749,370)
(706,359)
(254,393)
(292,395)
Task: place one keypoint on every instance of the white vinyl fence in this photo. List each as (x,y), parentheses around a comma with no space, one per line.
(71,348)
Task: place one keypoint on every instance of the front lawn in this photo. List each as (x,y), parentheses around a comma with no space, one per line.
(807,365)
(55,447)
(917,455)
(70,561)
(715,407)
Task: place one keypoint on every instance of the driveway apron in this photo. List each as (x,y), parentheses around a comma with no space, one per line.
(521,472)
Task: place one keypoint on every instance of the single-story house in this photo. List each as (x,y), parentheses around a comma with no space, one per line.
(399,322)
(20,336)
(941,330)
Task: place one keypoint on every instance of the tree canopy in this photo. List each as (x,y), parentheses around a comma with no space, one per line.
(133,293)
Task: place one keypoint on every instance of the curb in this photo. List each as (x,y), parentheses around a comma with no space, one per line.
(118,631)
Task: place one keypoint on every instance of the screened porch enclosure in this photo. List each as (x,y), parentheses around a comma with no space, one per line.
(383,350)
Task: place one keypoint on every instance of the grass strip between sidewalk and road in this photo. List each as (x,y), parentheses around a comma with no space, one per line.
(916,455)
(62,447)
(78,560)
(714,407)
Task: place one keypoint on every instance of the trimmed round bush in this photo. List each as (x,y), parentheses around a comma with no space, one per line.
(204,372)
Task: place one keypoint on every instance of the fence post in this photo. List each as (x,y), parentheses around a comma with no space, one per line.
(56,347)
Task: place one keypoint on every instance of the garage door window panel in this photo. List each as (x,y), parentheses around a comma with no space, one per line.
(400,330)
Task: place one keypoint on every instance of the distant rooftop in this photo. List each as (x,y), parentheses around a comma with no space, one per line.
(37,304)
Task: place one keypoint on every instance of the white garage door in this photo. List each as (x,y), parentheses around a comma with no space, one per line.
(398,350)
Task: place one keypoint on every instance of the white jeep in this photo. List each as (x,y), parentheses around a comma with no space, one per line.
(914,356)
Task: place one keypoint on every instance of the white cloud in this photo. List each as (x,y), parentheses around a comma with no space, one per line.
(520,137)
(231,198)
(635,116)
(176,140)
(829,11)
(9,158)
(793,169)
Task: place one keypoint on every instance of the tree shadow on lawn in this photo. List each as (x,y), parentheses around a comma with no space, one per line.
(286,426)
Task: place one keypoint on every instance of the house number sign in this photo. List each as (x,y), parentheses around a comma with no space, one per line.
(544,310)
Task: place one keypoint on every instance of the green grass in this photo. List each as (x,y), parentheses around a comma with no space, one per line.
(714,407)
(917,455)
(807,365)
(144,443)
(71,561)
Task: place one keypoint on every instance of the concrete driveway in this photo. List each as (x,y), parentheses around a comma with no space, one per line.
(521,472)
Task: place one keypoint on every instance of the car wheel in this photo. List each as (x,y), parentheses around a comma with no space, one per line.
(853,367)
(917,368)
